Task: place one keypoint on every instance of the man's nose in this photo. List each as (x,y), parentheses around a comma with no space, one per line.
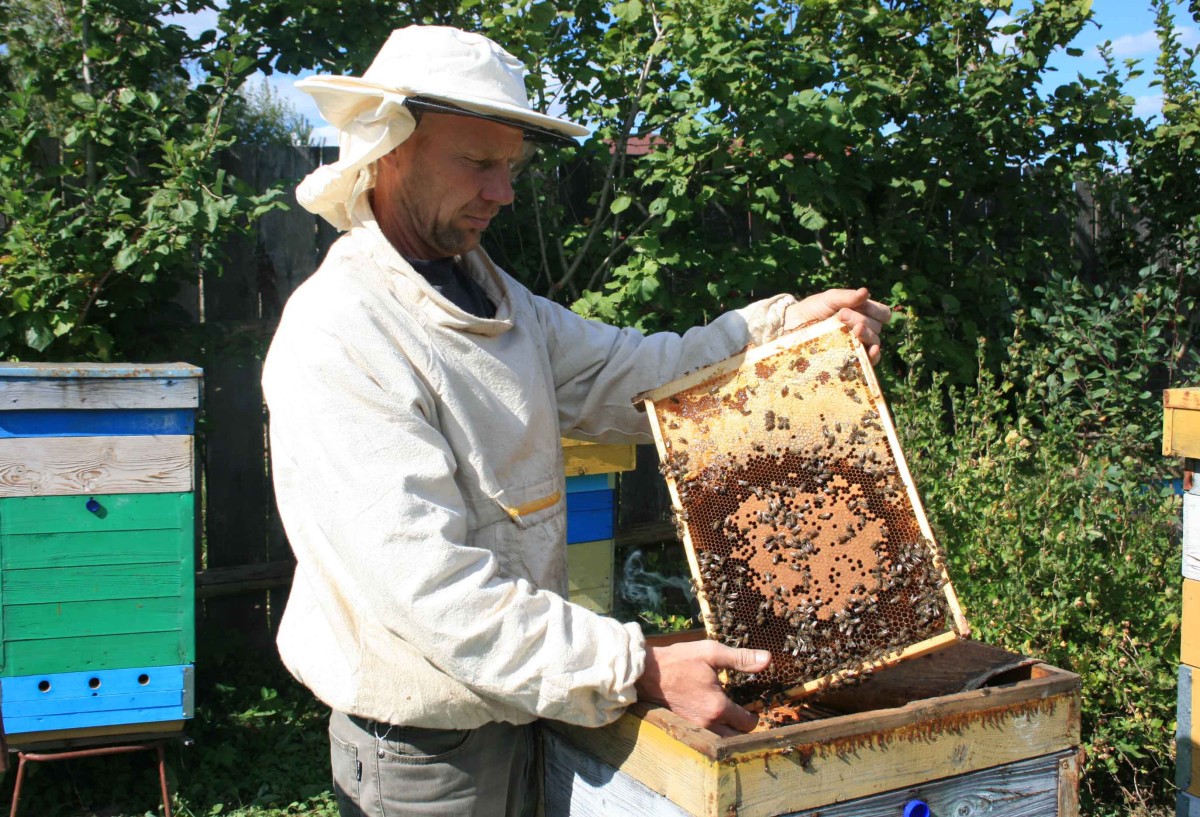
(498,187)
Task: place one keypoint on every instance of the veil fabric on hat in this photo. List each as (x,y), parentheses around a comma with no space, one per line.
(368,132)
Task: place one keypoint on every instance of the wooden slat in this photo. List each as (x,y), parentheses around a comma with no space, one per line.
(1187,739)
(157,710)
(102,548)
(96,582)
(83,684)
(578,785)
(104,423)
(590,564)
(902,758)
(1181,422)
(98,652)
(652,757)
(1187,805)
(1191,535)
(597,599)
(61,466)
(1189,643)
(99,393)
(59,619)
(586,458)
(1182,398)
(69,514)
(97,736)
(807,765)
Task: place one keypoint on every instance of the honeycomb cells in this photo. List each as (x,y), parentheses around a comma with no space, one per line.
(800,522)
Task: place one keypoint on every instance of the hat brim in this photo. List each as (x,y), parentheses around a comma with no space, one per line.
(537,125)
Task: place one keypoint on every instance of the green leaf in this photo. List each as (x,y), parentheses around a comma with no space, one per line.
(620,204)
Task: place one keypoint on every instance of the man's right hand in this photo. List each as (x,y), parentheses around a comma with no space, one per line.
(683,678)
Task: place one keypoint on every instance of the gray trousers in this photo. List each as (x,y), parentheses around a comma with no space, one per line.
(382,770)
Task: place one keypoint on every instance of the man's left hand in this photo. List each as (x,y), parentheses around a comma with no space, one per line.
(866,318)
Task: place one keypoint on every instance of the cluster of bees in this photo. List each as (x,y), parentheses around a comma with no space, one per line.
(803,531)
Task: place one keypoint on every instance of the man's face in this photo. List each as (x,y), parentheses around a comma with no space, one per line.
(437,192)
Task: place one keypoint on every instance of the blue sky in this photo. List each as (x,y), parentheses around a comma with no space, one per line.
(1128,24)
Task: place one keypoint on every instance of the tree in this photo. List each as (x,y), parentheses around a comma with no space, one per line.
(110,188)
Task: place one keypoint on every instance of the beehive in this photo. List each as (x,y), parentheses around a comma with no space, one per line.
(591,471)
(97,532)
(803,529)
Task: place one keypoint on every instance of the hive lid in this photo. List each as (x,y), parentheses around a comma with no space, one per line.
(803,529)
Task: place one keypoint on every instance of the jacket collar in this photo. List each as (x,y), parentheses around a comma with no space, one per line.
(413,288)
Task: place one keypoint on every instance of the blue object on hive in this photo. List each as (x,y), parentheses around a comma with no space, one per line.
(588,482)
(75,700)
(916,808)
(589,516)
(102,423)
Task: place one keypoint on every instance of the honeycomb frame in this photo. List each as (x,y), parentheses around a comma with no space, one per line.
(803,529)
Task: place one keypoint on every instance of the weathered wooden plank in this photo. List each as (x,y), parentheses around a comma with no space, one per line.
(96,582)
(590,482)
(597,599)
(1191,535)
(1189,641)
(237,494)
(590,564)
(98,652)
(115,512)
(103,423)
(113,702)
(97,735)
(590,515)
(157,710)
(649,755)
(63,619)
(170,392)
(59,466)
(578,785)
(103,548)
(1182,398)
(589,458)
(86,684)
(1187,741)
(1181,423)
(812,764)
(901,758)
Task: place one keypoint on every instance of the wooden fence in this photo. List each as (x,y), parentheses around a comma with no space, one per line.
(246,562)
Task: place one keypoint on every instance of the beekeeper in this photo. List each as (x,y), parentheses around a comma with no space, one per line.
(417,395)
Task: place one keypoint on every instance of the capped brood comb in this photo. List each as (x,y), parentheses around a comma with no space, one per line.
(803,529)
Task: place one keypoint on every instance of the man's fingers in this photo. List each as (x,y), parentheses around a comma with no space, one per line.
(736,718)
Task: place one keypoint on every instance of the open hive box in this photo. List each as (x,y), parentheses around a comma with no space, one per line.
(802,527)
(806,538)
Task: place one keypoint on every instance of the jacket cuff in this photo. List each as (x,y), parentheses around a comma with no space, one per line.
(764,319)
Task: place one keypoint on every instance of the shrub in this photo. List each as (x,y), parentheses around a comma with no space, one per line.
(1060,548)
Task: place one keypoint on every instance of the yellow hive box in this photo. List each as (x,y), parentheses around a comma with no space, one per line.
(594,458)
(1181,422)
(965,729)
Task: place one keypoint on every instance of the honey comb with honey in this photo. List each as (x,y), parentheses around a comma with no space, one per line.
(804,532)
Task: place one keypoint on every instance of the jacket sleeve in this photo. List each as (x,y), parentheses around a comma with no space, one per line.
(366,487)
(598,369)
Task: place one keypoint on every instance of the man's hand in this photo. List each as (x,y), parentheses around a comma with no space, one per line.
(866,318)
(683,677)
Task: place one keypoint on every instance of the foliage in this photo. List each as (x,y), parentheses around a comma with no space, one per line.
(111,189)
(1059,548)
(259,115)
